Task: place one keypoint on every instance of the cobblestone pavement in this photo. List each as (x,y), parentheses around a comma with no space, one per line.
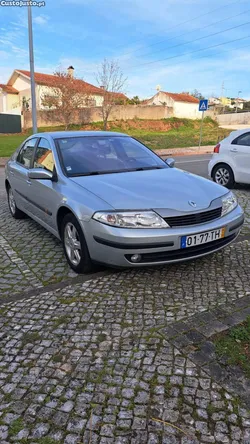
(115,359)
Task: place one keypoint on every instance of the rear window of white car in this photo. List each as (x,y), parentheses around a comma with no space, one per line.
(244,140)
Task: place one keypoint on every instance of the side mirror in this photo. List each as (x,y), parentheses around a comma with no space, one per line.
(170,162)
(40,173)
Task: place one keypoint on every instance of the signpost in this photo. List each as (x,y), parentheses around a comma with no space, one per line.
(203,106)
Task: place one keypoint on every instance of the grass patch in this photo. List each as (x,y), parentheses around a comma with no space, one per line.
(46,440)
(57,358)
(16,426)
(71,300)
(30,337)
(101,337)
(157,134)
(235,346)
(61,320)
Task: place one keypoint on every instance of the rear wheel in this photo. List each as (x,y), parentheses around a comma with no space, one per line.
(223,175)
(74,245)
(15,212)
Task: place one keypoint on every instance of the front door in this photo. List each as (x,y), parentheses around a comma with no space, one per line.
(43,192)
(19,179)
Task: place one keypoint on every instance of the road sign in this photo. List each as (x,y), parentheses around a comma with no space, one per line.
(203,105)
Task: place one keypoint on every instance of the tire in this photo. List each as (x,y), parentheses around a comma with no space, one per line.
(223,175)
(78,258)
(14,211)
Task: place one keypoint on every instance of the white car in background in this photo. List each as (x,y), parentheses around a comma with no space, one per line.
(230,163)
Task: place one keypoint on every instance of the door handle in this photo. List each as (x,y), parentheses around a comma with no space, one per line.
(234,150)
(12,173)
(28,182)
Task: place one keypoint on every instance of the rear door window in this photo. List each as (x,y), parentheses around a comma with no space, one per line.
(244,139)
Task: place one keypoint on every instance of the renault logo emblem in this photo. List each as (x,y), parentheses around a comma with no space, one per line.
(192,203)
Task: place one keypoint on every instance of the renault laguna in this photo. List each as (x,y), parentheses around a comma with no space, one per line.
(112,200)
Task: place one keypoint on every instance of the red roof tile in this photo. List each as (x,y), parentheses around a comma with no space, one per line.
(49,80)
(9,89)
(182,97)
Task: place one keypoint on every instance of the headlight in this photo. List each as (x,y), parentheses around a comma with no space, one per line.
(229,203)
(131,219)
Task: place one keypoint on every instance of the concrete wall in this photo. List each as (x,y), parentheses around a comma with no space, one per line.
(12,101)
(3,100)
(87,115)
(21,83)
(234,118)
(42,90)
(187,110)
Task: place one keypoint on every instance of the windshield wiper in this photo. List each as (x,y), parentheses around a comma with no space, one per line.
(149,168)
(128,170)
(95,173)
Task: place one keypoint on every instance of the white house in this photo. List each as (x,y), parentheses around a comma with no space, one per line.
(17,91)
(184,105)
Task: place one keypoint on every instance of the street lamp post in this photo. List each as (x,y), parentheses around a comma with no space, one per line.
(32,74)
(236,109)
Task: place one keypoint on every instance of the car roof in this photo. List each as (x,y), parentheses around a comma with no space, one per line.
(235,134)
(61,134)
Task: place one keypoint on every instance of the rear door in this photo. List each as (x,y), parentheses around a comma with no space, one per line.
(240,151)
(19,179)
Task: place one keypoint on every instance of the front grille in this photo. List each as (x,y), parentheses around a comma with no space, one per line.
(184,253)
(194,218)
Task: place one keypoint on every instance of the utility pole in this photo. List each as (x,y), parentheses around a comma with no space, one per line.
(222,96)
(32,75)
(236,109)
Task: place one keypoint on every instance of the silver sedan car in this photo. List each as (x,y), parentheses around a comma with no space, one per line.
(111,200)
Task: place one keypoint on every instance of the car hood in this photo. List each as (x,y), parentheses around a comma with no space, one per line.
(168,188)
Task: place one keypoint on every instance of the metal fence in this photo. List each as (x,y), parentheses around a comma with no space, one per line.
(10,123)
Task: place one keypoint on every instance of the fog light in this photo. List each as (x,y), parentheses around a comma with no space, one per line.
(136,258)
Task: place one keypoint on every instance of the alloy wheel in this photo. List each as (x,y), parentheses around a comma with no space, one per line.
(72,244)
(12,203)
(222,176)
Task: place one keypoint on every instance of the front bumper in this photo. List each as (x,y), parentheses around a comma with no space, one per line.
(115,246)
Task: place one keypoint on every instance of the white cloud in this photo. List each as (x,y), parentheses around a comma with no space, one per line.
(41,20)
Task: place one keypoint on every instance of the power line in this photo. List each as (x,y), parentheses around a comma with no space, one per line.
(179,24)
(185,33)
(192,52)
(208,55)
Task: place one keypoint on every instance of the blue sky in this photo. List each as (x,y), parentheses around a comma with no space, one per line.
(137,33)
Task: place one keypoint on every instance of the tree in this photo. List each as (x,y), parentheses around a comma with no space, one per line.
(246,106)
(197,94)
(134,101)
(112,81)
(64,95)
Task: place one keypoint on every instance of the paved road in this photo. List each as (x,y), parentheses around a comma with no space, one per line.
(194,164)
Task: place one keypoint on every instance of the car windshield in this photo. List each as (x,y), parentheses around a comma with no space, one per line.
(88,155)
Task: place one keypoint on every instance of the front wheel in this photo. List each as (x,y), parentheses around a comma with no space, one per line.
(74,245)
(15,212)
(223,175)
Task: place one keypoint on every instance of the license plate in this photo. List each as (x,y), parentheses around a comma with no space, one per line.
(202,238)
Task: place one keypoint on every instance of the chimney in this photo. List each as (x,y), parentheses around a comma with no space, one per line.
(102,87)
(70,71)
